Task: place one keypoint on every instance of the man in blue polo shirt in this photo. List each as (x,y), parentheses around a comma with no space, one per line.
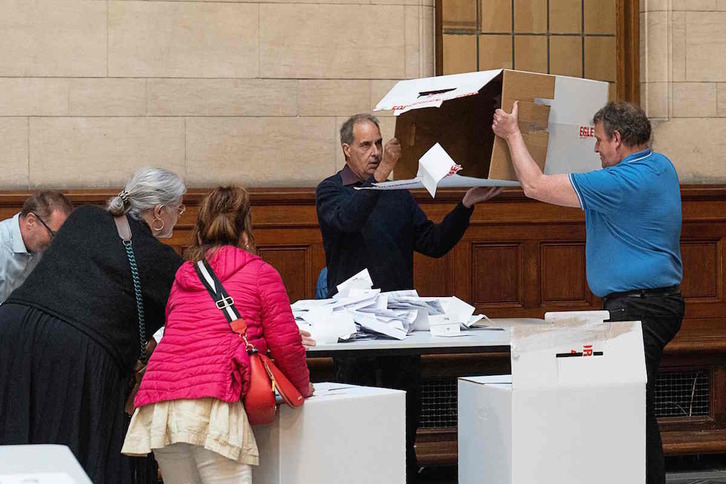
(633,223)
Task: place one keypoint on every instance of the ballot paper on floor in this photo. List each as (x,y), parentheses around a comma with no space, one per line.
(573,409)
(447,119)
(343,433)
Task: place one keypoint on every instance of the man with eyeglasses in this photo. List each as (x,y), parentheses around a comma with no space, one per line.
(24,237)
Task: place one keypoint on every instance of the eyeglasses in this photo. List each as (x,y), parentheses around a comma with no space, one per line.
(181,208)
(50,231)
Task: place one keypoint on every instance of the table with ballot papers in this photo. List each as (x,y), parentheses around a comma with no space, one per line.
(360,318)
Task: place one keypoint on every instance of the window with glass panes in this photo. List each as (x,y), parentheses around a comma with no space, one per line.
(567,37)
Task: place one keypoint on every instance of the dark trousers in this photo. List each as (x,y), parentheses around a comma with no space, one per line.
(661,317)
(396,372)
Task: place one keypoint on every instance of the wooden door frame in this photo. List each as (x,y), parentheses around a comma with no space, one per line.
(627,48)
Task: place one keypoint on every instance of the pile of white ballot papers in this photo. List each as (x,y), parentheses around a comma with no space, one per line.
(357,311)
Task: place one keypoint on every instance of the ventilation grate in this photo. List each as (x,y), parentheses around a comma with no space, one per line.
(438,403)
(682,394)
(677,394)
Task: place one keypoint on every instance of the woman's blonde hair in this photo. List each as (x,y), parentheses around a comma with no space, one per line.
(225,215)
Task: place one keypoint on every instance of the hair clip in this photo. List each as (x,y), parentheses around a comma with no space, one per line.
(124,196)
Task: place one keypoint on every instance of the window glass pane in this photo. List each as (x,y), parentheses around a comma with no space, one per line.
(530,53)
(459,14)
(530,16)
(459,53)
(496,15)
(562,37)
(566,55)
(600,58)
(566,16)
(600,17)
(495,52)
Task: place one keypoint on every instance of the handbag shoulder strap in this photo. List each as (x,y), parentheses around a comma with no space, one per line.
(124,232)
(123,228)
(221,297)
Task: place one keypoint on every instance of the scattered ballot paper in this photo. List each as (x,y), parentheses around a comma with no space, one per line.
(327,326)
(362,280)
(358,311)
(445,325)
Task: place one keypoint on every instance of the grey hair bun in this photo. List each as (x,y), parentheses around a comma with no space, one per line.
(117,206)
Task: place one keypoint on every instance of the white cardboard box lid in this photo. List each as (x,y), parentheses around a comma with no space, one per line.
(338,391)
(488,379)
(430,92)
(578,353)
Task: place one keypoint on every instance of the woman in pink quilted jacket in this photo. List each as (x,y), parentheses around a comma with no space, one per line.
(188,408)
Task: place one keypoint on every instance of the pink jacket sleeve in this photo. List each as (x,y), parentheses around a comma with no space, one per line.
(280,330)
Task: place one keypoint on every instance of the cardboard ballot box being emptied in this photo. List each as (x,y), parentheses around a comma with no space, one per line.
(452,115)
(572,411)
(342,434)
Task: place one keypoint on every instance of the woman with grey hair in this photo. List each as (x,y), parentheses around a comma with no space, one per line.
(70,336)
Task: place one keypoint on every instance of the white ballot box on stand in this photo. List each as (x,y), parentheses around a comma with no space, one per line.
(40,464)
(572,411)
(343,433)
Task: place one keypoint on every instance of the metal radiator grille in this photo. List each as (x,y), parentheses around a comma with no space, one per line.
(682,394)
(438,403)
(677,394)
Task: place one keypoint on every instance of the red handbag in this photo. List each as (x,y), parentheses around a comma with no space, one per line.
(265,377)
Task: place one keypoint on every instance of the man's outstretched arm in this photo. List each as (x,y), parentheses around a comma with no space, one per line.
(555,189)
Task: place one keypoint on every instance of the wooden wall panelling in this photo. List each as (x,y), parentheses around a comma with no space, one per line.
(519,258)
(702,281)
(562,268)
(462,268)
(531,274)
(432,275)
(294,263)
(497,275)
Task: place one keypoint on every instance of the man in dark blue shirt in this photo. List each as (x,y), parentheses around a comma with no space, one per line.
(633,225)
(380,230)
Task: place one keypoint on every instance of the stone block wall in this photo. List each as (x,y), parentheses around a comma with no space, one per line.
(219,91)
(683,83)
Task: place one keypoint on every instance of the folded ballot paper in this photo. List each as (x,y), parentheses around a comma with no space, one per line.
(358,311)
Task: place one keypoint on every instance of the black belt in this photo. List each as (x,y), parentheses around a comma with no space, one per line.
(642,293)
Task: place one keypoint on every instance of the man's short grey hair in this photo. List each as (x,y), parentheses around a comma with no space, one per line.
(346,131)
(626,118)
(148,188)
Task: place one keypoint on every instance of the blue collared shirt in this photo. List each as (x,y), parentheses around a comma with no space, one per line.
(16,263)
(633,224)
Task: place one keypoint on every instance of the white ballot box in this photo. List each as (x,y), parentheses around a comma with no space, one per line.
(572,411)
(343,434)
(40,464)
